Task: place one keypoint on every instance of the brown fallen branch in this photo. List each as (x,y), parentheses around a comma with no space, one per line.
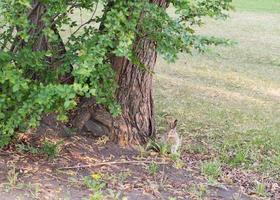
(2,153)
(112,163)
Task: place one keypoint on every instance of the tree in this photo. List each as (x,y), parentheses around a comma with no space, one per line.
(136,123)
(108,59)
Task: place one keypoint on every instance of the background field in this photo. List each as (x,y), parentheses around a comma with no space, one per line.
(257,5)
(228,100)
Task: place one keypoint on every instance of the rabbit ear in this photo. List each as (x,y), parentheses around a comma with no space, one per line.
(174,124)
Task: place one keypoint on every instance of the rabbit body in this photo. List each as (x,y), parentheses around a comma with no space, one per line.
(172,138)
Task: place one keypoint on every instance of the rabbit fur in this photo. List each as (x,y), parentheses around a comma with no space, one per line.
(172,138)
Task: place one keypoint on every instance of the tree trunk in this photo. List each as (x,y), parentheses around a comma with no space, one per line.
(136,124)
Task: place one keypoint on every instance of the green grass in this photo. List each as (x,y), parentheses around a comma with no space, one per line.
(227,100)
(211,170)
(258,5)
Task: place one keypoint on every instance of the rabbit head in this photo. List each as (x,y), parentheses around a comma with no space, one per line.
(172,129)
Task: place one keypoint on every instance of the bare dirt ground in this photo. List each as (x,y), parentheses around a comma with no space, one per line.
(124,171)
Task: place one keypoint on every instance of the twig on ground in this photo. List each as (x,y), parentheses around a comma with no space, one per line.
(5,153)
(57,177)
(111,163)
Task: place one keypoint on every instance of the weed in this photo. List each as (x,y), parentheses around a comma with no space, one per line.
(96,196)
(163,179)
(23,148)
(35,192)
(197,191)
(12,177)
(201,190)
(153,168)
(142,151)
(211,169)
(122,176)
(33,189)
(51,149)
(113,195)
(95,184)
(47,148)
(162,148)
(260,189)
(177,162)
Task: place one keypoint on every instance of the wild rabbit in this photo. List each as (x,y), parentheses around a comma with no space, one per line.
(171,137)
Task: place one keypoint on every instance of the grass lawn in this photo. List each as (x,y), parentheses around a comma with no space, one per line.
(228,100)
(258,5)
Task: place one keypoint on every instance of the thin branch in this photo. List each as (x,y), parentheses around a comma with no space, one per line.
(87,22)
(111,163)
(33,9)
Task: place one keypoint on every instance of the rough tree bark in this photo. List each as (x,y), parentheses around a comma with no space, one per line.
(136,124)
